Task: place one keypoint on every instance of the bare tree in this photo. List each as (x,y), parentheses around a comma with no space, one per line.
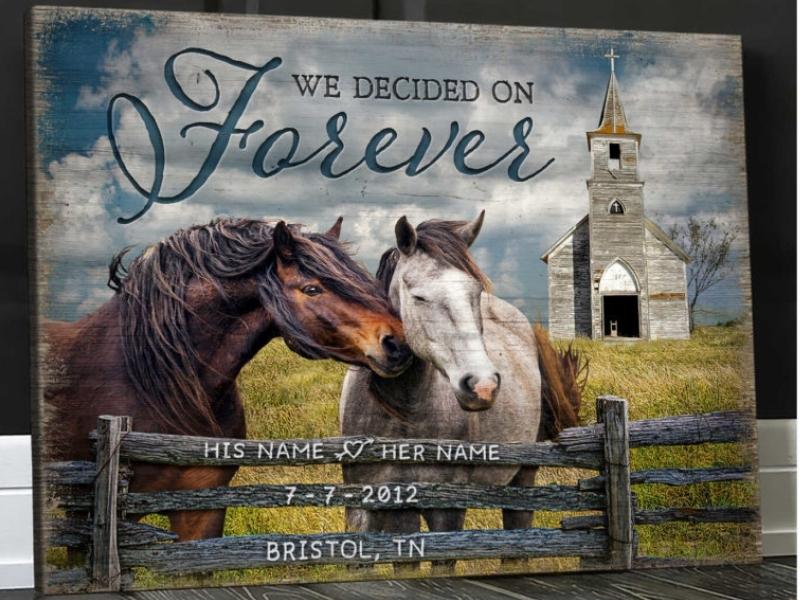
(708,243)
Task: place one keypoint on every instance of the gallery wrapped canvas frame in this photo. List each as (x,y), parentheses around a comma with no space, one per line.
(457,156)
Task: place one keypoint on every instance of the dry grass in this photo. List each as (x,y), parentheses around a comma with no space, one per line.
(288,397)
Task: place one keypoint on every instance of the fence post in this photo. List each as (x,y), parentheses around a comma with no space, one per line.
(612,412)
(105,567)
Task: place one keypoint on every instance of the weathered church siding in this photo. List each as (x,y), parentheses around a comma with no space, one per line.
(669,315)
(627,173)
(568,272)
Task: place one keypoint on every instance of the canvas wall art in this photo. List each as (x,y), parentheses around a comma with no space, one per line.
(322,300)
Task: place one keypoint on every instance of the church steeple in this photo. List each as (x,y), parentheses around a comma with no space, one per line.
(612,117)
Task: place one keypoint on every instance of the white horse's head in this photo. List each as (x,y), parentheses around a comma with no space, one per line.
(436,287)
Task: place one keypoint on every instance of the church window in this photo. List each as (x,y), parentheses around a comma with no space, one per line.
(616,208)
(613,157)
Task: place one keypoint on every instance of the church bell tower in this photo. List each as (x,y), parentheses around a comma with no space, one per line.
(617,261)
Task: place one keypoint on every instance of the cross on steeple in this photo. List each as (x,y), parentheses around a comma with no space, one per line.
(611,56)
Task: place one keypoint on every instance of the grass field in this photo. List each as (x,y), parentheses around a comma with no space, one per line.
(289,397)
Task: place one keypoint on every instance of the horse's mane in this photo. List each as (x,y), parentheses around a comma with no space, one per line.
(160,357)
(440,240)
(565,373)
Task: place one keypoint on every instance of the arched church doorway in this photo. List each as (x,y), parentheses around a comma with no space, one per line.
(620,301)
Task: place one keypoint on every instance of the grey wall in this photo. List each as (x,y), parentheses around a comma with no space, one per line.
(569,306)
(666,274)
(768,35)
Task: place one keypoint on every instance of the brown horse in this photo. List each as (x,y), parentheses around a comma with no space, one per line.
(187,315)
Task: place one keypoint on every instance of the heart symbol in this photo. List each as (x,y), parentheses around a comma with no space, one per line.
(353,448)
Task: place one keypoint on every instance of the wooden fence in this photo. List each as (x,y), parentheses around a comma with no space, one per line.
(605,539)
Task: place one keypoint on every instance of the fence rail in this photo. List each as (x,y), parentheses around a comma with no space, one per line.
(386,496)
(675,477)
(659,517)
(606,538)
(208,451)
(344,548)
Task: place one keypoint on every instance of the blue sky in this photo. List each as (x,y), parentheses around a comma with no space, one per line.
(684,97)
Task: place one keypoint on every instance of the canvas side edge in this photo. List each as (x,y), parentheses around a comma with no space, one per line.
(32,92)
(748,398)
(240,20)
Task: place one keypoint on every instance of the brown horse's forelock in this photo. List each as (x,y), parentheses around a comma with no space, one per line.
(160,357)
(320,257)
(440,240)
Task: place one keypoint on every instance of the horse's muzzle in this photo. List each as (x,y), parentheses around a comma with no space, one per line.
(477,393)
(395,357)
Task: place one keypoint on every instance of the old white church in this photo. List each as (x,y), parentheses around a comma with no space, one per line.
(615,273)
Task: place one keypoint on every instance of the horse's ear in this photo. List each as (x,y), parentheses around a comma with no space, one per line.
(336,229)
(405,235)
(283,241)
(469,231)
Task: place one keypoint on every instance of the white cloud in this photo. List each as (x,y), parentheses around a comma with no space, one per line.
(78,187)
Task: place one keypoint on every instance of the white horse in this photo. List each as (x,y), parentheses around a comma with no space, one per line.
(475,377)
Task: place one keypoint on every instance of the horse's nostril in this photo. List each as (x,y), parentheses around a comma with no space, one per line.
(467,383)
(390,345)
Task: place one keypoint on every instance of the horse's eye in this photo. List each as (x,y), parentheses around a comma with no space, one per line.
(419,298)
(312,290)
